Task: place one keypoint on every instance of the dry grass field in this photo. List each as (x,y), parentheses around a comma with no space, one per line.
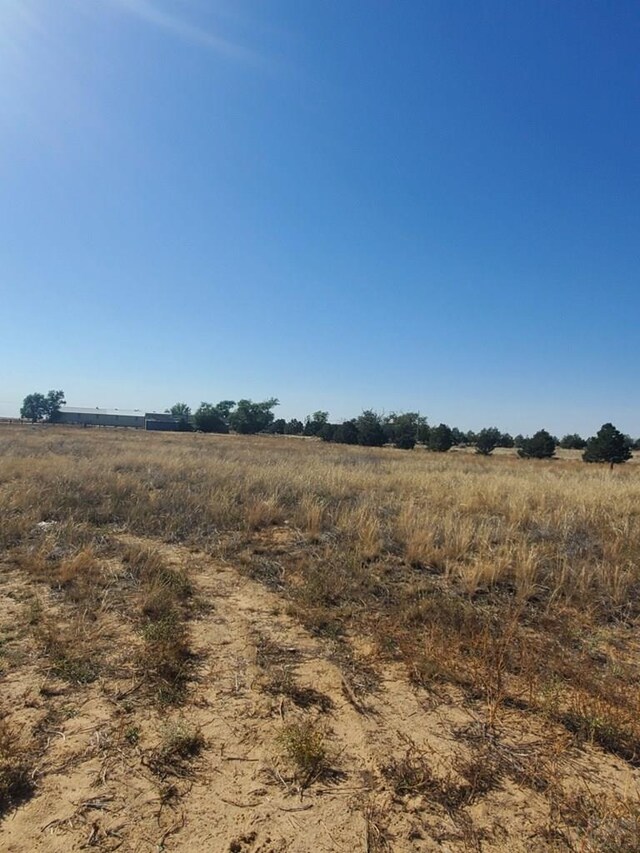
(269,644)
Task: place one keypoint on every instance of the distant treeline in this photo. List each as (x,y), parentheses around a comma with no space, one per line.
(402,430)
(370,429)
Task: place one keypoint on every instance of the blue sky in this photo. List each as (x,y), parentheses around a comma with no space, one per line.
(345,204)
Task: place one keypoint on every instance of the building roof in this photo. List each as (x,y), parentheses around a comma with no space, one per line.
(77,410)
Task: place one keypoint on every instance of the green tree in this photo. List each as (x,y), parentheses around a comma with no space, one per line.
(34,407)
(313,423)
(347,432)
(294,427)
(182,413)
(55,399)
(278,427)
(458,436)
(328,432)
(225,407)
(422,434)
(402,429)
(370,430)
(39,407)
(608,445)
(250,418)
(440,438)
(573,441)
(487,440)
(540,446)
(209,418)
(506,440)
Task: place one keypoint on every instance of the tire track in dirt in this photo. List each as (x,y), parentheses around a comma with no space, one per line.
(236,802)
(95,791)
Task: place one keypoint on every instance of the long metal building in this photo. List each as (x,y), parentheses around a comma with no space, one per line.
(117,418)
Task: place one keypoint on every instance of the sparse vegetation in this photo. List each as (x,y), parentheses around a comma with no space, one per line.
(180,744)
(16,769)
(304,746)
(502,588)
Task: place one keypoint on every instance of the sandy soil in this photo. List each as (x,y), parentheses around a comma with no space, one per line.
(96,784)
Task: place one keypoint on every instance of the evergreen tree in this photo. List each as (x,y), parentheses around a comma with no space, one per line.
(440,438)
(294,427)
(608,445)
(572,441)
(458,436)
(487,440)
(540,446)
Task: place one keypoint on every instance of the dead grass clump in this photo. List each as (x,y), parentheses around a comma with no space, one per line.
(281,682)
(148,568)
(16,769)
(82,580)
(376,838)
(599,823)
(166,659)
(263,513)
(179,746)
(72,654)
(14,528)
(278,679)
(527,761)
(598,721)
(412,775)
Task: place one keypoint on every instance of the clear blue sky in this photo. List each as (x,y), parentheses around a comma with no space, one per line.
(395,204)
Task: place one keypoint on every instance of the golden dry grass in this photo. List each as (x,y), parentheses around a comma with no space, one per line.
(516,583)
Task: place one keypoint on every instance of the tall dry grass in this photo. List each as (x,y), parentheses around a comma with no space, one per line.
(559,530)
(503,575)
